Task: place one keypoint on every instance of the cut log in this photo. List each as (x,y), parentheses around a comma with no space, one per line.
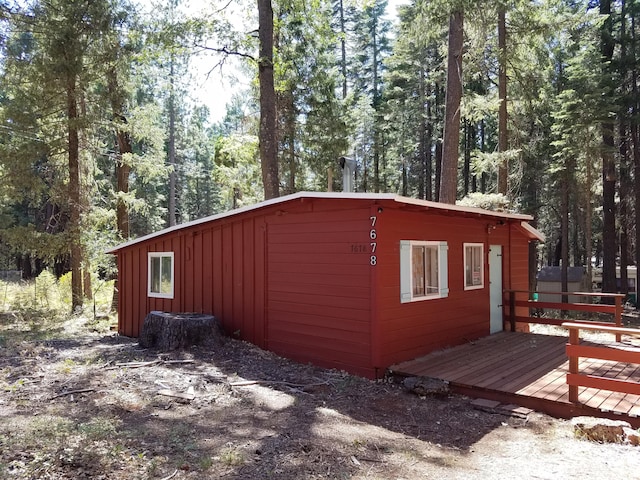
(172,331)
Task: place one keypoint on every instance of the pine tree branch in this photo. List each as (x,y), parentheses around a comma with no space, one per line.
(225,51)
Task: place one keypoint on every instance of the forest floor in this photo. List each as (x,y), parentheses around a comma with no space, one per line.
(79,403)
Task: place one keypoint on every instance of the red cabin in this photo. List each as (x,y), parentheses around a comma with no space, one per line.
(342,280)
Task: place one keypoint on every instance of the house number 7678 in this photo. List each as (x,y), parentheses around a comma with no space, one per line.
(373,235)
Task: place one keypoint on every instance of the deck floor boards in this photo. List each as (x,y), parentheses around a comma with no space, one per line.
(525,365)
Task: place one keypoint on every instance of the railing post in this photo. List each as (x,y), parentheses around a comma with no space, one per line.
(512,310)
(574,339)
(618,317)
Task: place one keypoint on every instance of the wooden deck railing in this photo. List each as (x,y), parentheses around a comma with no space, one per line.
(516,300)
(602,352)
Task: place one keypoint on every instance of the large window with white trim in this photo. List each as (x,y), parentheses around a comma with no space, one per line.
(473,266)
(423,270)
(160,276)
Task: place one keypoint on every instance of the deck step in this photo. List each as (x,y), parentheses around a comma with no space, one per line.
(492,406)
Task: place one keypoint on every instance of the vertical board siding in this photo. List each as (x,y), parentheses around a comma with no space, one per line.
(260,282)
(227,246)
(248,267)
(237,291)
(197,260)
(318,287)
(208,277)
(214,269)
(218,300)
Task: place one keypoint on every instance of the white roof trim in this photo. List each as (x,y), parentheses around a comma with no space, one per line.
(537,234)
(339,195)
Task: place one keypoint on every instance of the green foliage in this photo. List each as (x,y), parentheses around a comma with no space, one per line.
(237,171)
(133,76)
(496,202)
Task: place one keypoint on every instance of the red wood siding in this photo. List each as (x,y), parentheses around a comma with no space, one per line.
(412,329)
(297,278)
(218,269)
(318,287)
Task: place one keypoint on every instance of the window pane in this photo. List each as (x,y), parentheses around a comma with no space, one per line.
(418,266)
(432,269)
(473,266)
(424,265)
(166,275)
(155,274)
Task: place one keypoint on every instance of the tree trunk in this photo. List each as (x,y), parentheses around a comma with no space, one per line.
(123,169)
(451,136)
(625,190)
(291,134)
(172,148)
(428,171)
(422,134)
(268,140)
(438,160)
(503,168)
(635,135)
(468,146)
(87,287)
(405,179)
(588,222)
(483,146)
(74,195)
(343,49)
(625,181)
(376,107)
(564,233)
(609,248)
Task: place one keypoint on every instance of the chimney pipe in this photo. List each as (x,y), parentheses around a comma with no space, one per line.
(348,166)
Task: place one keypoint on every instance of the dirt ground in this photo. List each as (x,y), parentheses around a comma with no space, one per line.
(80,404)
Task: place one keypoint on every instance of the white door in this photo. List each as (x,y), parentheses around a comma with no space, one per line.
(495,287)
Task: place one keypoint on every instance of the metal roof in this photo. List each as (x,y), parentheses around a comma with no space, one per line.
(554,274)
(444,207)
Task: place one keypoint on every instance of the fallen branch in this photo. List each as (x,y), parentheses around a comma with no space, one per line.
(374,460)
(247,383)
(171,476)
(71,392)
(148,364)
(171,362)
(135,364)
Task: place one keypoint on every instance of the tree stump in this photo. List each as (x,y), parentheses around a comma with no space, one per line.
(171,331)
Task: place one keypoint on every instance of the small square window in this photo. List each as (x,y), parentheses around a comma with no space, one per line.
(160,279)
(423,270)
(473,266)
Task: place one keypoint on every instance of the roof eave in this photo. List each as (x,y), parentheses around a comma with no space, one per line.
(443,207)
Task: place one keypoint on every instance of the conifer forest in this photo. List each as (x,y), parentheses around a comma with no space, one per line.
(107,131)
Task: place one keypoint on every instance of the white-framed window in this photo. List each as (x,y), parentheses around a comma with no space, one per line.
(160,277)
(473,266)
(423,270)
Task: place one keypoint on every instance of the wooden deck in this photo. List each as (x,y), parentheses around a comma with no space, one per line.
(529,370)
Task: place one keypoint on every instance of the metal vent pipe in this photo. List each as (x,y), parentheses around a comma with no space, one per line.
(348,166)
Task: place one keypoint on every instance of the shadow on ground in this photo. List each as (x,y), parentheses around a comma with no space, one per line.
(254,415)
